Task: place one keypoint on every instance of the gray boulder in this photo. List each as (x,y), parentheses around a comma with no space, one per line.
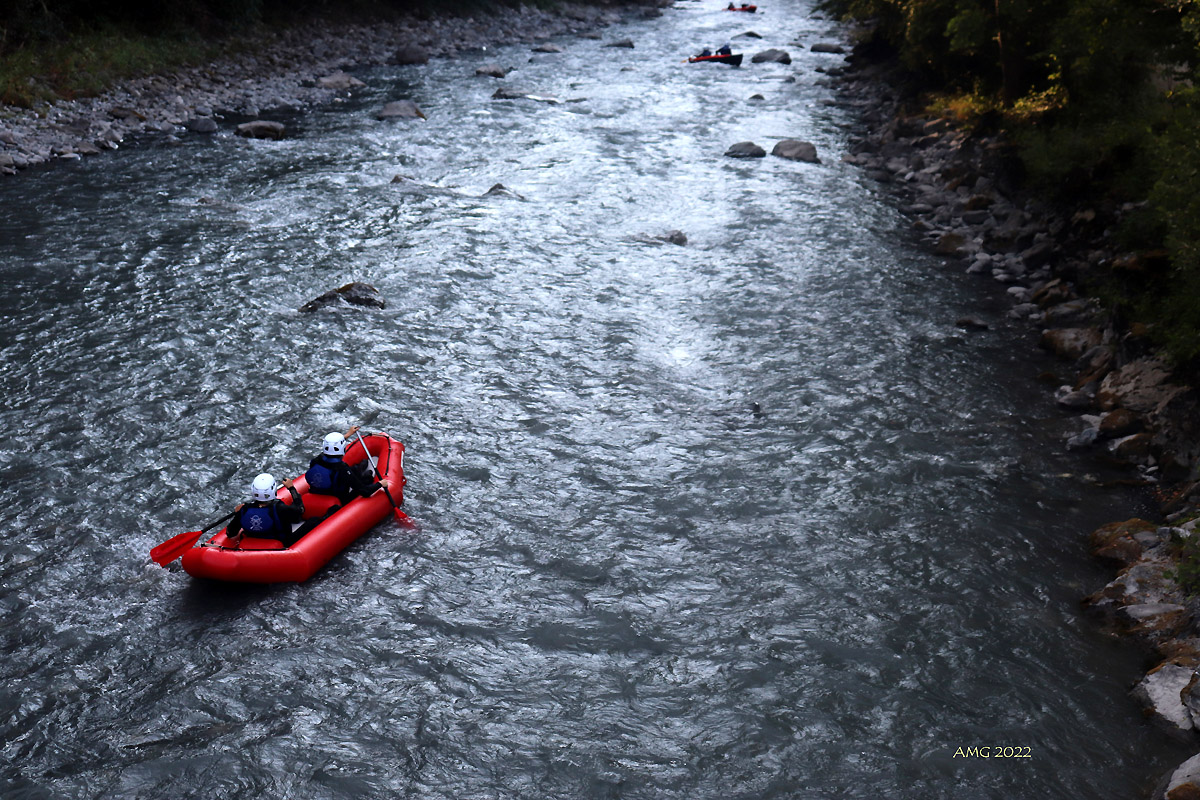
(972,324)
(772,54)
(260,129)
(796,150)
(547,48)
(745,150)
(622,43)
(1071,342)
(201,125)
(491,71)
(951,244)
(340,81)
(1161,692)
(1183,783)
(826,47)
(1143,386)
(356,293)
(410,54)
(1075,399)
(400,109)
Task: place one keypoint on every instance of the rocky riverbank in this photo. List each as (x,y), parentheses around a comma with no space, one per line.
(284,71)
(1132,412)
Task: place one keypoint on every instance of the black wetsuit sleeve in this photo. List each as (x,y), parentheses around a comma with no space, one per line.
(291,514)
(235,525)
(362,486)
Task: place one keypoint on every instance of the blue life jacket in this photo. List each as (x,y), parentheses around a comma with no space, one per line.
(262,522)
(324,477)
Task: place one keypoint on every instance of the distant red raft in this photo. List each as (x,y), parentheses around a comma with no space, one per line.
(742,7)
(264,561)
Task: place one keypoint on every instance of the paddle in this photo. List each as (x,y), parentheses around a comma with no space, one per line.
(401,517)
(176,546)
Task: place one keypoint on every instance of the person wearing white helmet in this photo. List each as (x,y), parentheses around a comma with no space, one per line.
(266,516)
(329,474)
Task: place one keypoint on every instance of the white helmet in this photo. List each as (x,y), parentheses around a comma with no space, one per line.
(263,488)
(334,445)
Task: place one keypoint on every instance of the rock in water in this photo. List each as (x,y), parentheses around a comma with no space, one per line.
(261,129)
(745,150)
(400,109)
(773,54)
(341,81)
(622,43)
(491,71)
(356,293)
(500,190)
(796,150)
(508,93)
(201,125)
(410,54)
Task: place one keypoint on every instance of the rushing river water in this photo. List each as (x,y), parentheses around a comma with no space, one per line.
(744,518)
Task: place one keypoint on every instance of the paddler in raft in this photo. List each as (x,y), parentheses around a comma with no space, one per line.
(266,516)
(329,474)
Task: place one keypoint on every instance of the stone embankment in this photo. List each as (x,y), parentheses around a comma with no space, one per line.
(1131,411)
(283,72)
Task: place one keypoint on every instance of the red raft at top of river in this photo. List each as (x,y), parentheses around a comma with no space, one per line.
(265,561)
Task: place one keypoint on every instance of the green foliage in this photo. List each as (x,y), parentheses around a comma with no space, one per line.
(1089,91)
(86,64)
(1175,201)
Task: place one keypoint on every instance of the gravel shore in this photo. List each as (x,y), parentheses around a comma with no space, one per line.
(287,70)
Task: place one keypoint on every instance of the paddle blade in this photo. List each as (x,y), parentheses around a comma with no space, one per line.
(174,547)
(405,520)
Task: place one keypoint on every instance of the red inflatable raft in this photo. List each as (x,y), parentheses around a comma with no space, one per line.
(732,59)
(265,561)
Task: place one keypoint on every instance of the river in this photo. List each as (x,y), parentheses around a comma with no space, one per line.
(745,518)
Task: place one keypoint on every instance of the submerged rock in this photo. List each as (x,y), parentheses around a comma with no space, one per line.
(491,71)
(261,129)
(500,190)
(400,109)
(356,293)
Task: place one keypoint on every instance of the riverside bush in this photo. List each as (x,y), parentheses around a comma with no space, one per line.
(1097,95)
